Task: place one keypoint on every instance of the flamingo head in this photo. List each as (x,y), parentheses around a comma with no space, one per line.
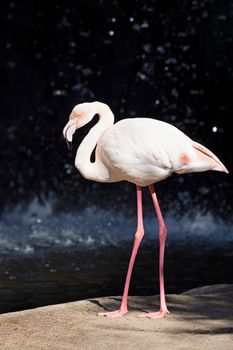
(80,116)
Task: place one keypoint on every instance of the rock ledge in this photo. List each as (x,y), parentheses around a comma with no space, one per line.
(200,319)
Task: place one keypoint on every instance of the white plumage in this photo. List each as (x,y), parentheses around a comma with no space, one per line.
(142,151)
(139,150)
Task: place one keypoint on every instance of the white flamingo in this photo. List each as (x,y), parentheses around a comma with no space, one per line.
(142,151)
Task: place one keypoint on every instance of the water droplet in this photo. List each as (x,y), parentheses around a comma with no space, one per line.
(160,49)
(147,48)
(145,24)
(28,249)
(87,72)
(174,93)
(53,270)
(136,27)
(72,44)
(12,277)
(59,92)
(141,76)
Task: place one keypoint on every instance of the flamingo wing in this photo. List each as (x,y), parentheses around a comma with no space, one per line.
(144,150)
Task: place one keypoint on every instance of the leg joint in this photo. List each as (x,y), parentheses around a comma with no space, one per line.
(163,230)
(139,234)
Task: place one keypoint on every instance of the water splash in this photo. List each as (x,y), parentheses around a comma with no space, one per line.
(36,227)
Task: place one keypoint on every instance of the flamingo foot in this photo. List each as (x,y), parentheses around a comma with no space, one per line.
(158,314)
(114,314)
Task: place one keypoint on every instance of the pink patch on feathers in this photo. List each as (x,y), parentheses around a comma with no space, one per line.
(184,159)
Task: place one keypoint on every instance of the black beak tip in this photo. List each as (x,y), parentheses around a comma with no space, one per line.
(69,145)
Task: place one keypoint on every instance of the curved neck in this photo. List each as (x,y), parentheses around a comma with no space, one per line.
(94,171)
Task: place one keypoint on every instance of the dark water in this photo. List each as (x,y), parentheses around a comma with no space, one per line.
(48,257)
(63,238)
(69,275)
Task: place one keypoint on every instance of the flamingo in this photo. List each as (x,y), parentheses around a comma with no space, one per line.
(142,151)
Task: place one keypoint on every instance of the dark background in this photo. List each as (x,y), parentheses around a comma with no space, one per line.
(170,60)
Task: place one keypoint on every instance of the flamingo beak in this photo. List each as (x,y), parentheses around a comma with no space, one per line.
(69,145)
(69,131)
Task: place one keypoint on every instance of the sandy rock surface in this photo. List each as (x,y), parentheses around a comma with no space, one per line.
(200,319)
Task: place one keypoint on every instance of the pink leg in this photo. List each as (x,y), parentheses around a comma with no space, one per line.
(137,240)
(162,238)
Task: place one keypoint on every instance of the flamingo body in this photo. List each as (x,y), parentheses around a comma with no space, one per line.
(142,151)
